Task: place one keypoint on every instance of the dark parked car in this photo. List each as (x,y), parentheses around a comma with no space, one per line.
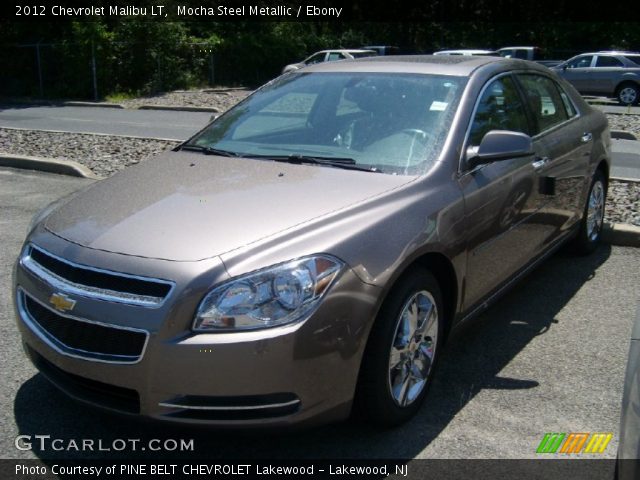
(310,251)
(629,446)
(614,74)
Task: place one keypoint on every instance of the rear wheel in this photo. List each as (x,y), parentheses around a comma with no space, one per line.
(593,216)
(402,350)
(628,94)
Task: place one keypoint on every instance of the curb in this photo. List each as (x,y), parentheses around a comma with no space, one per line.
(625,179)
(63,103)
(61,167)
(621,234)
(74,103)
(179,109)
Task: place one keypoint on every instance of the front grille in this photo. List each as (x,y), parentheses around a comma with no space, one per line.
(85,339)
(95,283)
(97,393)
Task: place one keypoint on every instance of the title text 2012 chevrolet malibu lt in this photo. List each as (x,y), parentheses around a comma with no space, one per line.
(309,251)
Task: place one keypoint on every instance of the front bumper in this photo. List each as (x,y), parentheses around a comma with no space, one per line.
(296,374)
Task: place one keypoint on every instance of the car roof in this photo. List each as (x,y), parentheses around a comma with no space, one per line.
(609,52)
(348,50)
(468,51)
(456,65)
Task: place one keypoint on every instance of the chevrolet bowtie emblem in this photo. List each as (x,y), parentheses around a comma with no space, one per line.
(61,302)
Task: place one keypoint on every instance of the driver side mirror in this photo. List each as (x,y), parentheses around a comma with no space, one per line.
(499,145)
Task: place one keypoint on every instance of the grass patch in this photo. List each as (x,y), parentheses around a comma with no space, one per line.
(119,97)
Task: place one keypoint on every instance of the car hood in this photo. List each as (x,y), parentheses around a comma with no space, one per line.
(186,206)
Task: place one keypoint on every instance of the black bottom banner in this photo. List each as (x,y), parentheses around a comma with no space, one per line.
(354,469)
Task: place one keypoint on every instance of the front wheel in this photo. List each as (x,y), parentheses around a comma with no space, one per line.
(590,229)
(402,350)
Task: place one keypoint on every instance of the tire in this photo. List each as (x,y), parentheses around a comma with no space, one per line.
(389,392)
(590,229)
(628,94)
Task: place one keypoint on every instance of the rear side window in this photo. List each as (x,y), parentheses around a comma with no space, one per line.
(568,106)
(605,61)
(499,108)
(634,58)
(545,101)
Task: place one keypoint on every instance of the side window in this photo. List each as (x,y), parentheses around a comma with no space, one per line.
(520,53)
(317,58)
(499,108)
(581,62)
(633,58)
(568,106)
(544,101)
(606,61)
(335,56)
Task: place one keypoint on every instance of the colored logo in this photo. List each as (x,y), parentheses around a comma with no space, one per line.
(61,302)
(568,443)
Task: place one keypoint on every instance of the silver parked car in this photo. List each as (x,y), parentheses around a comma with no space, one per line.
(310,250)
(467,51)
(330,56)
(614,74)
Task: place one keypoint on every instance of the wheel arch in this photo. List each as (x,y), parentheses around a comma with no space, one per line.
(445,273)
(627,81)
(603,166)
(442,268)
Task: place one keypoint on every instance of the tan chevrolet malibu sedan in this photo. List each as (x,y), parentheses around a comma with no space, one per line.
(308,253)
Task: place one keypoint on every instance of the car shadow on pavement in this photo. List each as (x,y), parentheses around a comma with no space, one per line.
(471,362)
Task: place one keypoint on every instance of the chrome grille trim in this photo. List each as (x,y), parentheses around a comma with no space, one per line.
(229,408)
(66,350)
(87,291)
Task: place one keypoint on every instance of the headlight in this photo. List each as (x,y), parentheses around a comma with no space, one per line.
(267,298)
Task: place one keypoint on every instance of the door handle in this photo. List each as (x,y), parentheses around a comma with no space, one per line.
(540,162)
(586,137)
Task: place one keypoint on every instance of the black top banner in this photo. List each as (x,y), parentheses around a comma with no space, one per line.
(520,11)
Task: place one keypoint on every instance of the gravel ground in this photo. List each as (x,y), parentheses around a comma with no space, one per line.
(222,100)
(629,123)
(105,154)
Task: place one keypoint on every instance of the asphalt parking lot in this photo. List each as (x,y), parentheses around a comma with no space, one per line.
(548,357)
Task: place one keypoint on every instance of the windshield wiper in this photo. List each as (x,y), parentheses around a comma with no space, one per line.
(210,150)
(339,162)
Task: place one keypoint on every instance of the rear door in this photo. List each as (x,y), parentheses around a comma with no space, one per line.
(606,74)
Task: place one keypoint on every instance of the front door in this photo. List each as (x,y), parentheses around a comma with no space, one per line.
(501,197)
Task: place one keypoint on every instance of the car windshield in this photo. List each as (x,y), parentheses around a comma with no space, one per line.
(394,123)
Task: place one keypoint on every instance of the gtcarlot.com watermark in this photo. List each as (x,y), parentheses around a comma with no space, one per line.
(45,443)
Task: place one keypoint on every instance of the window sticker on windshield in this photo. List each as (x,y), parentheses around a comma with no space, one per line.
(438,106)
